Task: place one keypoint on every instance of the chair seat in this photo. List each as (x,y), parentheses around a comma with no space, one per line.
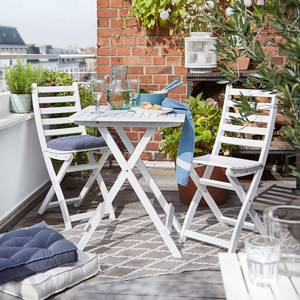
(76,142)
(233,163)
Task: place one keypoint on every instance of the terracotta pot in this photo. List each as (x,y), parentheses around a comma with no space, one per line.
(241,64)
(186,193)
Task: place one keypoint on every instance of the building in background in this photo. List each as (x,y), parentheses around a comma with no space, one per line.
(11,42)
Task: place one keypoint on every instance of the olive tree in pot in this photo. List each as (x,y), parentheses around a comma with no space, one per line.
(206,116)
(19,79)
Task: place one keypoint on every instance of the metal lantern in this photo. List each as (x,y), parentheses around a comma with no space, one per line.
(200,54)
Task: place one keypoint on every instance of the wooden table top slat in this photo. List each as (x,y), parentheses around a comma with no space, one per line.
(126,118)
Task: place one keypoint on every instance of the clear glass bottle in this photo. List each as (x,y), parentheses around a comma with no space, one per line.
(118,95)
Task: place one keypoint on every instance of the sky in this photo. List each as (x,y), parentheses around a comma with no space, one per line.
(61,23)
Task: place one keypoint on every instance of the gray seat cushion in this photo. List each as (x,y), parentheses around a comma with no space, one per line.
(76,142)
(31,250)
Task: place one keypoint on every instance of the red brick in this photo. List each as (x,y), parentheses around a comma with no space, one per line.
(180,70)
(123,51)
(130,60)
(174,60)
(117,23)
(160,79)
(145,51)
(132,32)
(107,13)
(157,136)
(143,41)
(130,41)
(150,87)
(103,22)
(104,41)
(144,60)
(159,70)
(123,13)
(117,41)
(103,61)
(146,79)
(103,3)
(131,23)
(133,135)
(135,70)
(172,52)
(115,61)
(152,146)
(116,3)
(159,61)
(104,32)
(103,70)
(103,51)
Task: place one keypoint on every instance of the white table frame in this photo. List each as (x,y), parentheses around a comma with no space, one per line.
(237,284)
(127,173)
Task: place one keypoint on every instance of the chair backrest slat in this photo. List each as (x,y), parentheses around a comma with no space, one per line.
(58,99)
(251,118)
(56,121)
(264,106)
(58,110)
(244,129)
(55,89)
(261,123)
(52,108)
(241,142)
(63,131)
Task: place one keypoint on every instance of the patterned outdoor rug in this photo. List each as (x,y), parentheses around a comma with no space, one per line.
(132,248)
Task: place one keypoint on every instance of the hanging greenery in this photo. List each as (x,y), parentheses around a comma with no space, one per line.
(178,16)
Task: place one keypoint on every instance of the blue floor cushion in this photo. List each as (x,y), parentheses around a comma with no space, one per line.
(76,142)
(34,249)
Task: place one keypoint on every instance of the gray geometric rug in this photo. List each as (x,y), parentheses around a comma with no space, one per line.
(132,248)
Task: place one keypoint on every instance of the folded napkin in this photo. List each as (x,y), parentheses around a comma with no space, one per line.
(187,141)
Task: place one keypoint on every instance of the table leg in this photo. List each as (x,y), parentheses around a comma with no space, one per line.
(127,173)
(148,178)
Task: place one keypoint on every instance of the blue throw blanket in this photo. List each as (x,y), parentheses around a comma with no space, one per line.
(187,141)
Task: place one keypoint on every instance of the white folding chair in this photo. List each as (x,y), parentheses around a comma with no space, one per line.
(230,133)
(52,101)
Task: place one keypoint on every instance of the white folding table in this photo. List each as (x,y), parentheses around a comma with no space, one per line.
(118,120)
(238,286)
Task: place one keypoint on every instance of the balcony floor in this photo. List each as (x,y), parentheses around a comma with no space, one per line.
(205,284)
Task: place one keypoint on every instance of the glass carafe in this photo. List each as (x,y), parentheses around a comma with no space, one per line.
(118,95)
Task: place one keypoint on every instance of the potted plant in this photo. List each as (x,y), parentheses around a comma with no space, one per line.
(19,79)
(206,116)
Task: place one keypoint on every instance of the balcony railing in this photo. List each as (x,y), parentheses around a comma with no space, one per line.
(82,67)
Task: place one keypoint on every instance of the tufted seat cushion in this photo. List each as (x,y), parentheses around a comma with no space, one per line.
(27,251)
(76,142)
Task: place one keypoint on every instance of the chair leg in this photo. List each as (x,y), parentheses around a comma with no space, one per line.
(56,180)
(190,215)
(242,195)
(238,226)
(91,179)
(96,176)
(60,175)
(201,192)
(46,201)
(247,204)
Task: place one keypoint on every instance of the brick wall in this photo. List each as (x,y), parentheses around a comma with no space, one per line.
(154,58)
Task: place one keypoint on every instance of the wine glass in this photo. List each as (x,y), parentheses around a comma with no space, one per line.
(98,89)
(134,88)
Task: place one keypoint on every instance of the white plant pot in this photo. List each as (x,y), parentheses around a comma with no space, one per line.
(21,103)
(201,34)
